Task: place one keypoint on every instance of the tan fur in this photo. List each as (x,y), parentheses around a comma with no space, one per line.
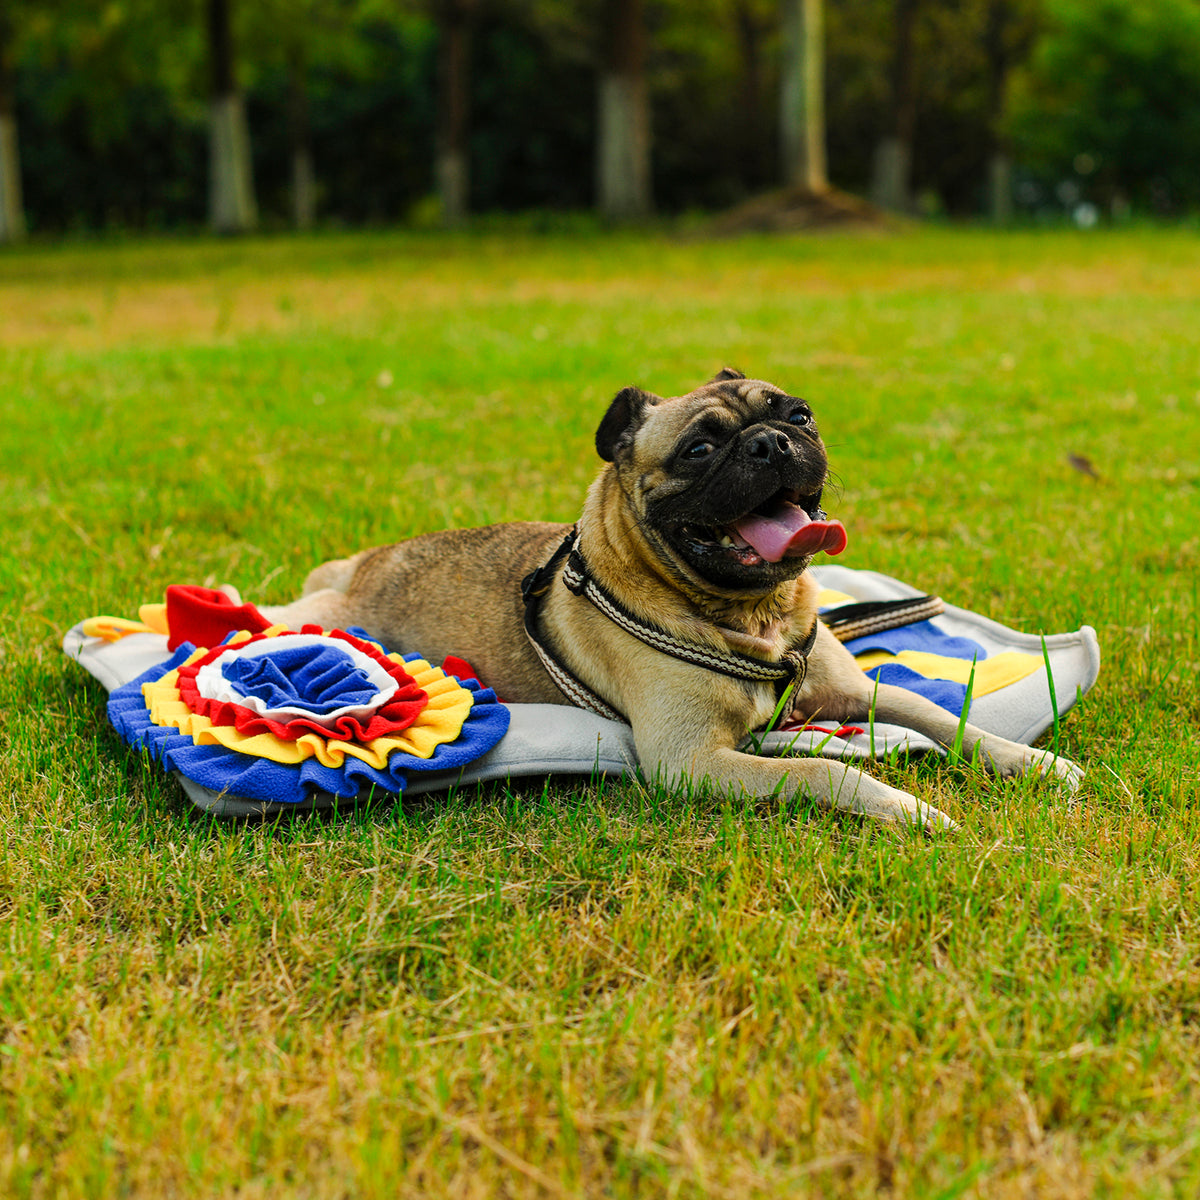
(459,593)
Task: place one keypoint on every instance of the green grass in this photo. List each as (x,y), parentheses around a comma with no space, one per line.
(588,991)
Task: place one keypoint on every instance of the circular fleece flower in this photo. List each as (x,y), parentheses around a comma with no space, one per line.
(326,684)
(275,715)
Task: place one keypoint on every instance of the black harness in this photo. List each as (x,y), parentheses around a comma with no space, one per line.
(788,671)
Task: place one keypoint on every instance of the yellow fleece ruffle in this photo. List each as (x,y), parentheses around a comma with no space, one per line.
(440,721)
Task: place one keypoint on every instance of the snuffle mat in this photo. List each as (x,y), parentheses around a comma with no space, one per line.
(258,719)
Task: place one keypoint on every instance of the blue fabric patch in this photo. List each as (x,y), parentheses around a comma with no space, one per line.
(318,679)
(943,692)
(921,635)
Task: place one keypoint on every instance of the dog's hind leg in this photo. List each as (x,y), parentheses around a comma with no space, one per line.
(322,600)
(335,574)
(327,608)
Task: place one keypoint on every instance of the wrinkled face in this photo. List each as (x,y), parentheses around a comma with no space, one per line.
(727,479)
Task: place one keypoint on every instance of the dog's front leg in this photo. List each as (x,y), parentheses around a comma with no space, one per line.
(830,783)
(895,705)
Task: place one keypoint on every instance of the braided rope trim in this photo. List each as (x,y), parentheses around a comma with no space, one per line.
(791,671)
(574,689)
(738,666)
(891,615)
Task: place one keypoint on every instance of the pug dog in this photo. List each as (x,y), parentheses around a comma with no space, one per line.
(681,602)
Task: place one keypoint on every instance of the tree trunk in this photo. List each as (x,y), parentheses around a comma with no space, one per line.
(755,151)
(231,205)
(452,168)
(623,115)
(891,185)
(12,213)
(995,42)
(891,174)
(1000,188)
(304,197)
(802,96)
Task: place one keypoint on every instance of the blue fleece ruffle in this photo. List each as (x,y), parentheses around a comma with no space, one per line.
(921,635)
(230,772)
(318,678)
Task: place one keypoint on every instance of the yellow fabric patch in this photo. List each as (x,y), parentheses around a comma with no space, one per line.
(831,599)
(991,674)
(153,619)
(441,720)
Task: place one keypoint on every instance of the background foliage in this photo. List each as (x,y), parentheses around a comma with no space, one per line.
(111,103)
(1111,101)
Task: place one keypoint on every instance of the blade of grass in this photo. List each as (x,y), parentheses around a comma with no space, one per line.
(1053,695)
(955,755)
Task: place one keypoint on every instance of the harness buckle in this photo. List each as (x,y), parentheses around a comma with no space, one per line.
(537,583)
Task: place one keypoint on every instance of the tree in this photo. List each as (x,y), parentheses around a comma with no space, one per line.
(284,33)
(12,213)
(1111,101)
(304,185)
(231,203)
(995,44)
(295,49)
(623,114)
(752,22)
(1009,27)
(802,96)
(452,169)
(891,185)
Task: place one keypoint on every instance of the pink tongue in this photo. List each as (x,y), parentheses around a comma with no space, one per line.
(790,533)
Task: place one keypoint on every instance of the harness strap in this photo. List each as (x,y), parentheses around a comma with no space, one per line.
(725,662)
(790,671)
(533,587)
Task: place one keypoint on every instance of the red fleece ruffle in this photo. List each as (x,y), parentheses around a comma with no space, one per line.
(397,714)
(204,616)
(461,669)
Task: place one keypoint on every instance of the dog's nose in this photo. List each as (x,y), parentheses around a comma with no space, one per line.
(767,444)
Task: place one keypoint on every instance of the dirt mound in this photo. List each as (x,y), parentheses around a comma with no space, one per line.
(793,208)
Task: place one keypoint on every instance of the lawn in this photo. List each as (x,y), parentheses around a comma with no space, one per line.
(601,990)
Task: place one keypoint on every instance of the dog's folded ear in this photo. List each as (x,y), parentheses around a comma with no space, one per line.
(726,373)
(621,421)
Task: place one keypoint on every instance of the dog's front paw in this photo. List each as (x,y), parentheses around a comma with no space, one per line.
(891,804)
(926,815)
(851,790)
(1047,764)
(1026,760)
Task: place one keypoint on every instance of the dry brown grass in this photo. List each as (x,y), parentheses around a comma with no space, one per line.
(174,294)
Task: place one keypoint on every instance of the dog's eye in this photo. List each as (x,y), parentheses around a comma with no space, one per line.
(699,450)
(800,417)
